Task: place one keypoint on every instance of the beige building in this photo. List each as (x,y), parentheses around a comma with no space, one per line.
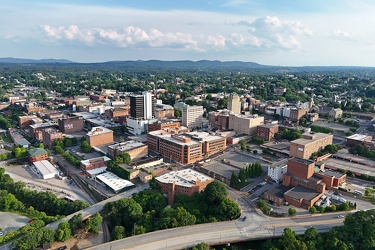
(99,136)
(192,116)
(234,103)
(308,144)
(245,124)
(135,149)
(335,113)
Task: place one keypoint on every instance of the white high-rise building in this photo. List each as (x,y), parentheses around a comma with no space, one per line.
(234,103)
(147,105)
(192,116)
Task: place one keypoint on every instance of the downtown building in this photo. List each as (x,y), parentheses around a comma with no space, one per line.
(192,116)
(142,106)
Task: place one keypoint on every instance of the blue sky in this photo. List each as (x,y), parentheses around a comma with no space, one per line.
(272,32)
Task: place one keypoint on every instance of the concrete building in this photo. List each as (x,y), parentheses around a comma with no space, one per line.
(279,90)
(219,119)
(71,124)
(309,143)
(49,135)
(37,154)
(277,170)
(234,103)
(136,150)
(335,113)
(99,136)
(357,139)
(185,148)
(45,169)
(267,131)
(245,124)
(138,126)
(163,124)
(186,182)
(192,116)
(163,111)
(142,106)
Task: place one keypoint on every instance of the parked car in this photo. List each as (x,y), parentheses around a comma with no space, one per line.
(1,233)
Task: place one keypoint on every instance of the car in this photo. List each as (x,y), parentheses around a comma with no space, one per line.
(1,233)
(29,221)
(340,216)
(244,218)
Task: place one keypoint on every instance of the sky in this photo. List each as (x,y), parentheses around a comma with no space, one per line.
(269,32)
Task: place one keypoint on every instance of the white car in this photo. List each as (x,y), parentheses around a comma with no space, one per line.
(1,233)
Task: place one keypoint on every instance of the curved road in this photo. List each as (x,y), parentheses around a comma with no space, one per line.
(256,226)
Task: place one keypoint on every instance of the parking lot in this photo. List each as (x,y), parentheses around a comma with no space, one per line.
(11,221)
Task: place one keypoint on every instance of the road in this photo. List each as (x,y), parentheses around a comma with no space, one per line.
(256,226)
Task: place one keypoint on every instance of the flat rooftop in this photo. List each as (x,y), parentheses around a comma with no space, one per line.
(357,137)
(97,171)
(186,177)
(299,192)
(113,181)
(303,161)
(333,163)
(85,115)
(45,167)
(330,173)
(278,191)
(42,125)
(104,158)
(127,145)
(305,141)
(98,130)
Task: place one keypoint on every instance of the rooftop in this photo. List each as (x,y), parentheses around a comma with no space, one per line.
(88,161)
(331,173)
(37,151)
(278,191)
(315,137)
(98,130)
(269,125)
(303,161)
(113,181)
(357,137)
(42,125)
(300,192)
(126,146)
(186,177)
(45,167)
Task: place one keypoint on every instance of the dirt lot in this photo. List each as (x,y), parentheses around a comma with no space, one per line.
(11,221)
(80,241)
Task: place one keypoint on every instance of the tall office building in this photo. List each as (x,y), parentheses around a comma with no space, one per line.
(234,103)
(142,106)
(192,116)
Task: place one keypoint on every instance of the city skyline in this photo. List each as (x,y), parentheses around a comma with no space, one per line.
(270,32)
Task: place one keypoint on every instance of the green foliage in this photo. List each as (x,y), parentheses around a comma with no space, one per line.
(262,205)
(363,151)
(292,211)
(63,231)
(257,140)
(118,233)
(85,147)
(3,157)
(92,224)
(154,185)
(5,123)
(123,158)
(252,170)
(35,239)
(151,200)
(19,152)
(177,113)
(313,210)
(215,193)
(201,246)
(319,129)
(289,134)
(113,167)
(75,222)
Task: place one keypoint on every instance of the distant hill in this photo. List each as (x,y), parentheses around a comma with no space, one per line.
(21,60)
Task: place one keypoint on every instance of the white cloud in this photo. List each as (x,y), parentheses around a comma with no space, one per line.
(272,32)
(341,35)
(128,36)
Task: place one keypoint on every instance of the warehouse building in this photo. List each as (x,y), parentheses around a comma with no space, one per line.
(45,169)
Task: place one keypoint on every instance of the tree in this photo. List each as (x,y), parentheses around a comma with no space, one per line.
(312,210)
(118,233)
(202,246)
(92,224)
(150,200)
(292,211)
(215,193)
(177,113)
(76,222)
(67,142)
(85,146)
(63,231)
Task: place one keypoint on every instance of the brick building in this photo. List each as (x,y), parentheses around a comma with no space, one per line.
(49,135)
(357,139)
(94,163)
(219,119)
(71,124)
(308,144)
(162,125)
(297,112)
(304,183)
(163,111)
(186,147)
(135,149)
(117,112)
(267,131)
(245,124)
(24,121)
(37,154)
(99,136)
(185,182)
